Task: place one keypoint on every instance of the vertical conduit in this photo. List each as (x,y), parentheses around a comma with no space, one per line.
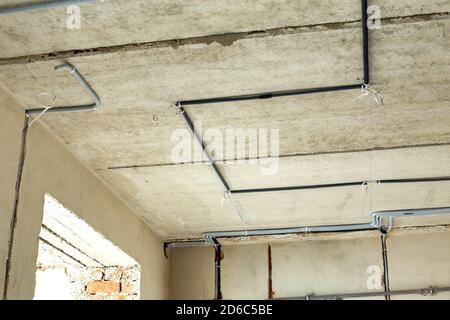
(64,109)
(269,269)
(217,259)
(365,37)
(13,220)
(385,265)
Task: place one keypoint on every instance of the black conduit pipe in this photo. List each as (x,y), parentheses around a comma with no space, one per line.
(365,37)
(269,95)
(277,94)
(199,139)
(13,221)
(217,269)
(342,184)
(385,265)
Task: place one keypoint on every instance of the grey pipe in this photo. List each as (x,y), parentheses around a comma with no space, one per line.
(378,216)
(186,244)
(427,292)
(376,224)
(87,107)
(28,7)
(268,232)
(285,231)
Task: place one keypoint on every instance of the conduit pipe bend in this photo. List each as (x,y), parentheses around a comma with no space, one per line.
(377,216)
(40,111)
(217,270)
(210,238)
(76,108)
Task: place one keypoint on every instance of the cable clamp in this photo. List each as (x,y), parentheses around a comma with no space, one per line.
(428,292)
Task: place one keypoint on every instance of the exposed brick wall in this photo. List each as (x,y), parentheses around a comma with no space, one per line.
(95,283)
(119,283)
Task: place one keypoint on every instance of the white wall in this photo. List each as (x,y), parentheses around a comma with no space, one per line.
(51,168)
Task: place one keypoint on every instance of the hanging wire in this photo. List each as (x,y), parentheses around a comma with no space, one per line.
(46,105)
(228,196)
(367,92)
(377,97)
(162,114)
(167,93)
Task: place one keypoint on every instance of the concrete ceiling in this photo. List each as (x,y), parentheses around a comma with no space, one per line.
(142,56)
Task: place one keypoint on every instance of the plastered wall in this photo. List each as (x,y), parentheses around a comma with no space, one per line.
(317,266)
(51,168)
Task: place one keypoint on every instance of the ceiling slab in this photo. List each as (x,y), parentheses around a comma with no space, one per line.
(134,86)
(251,47)
(187,200)
(113,23)
(403,163)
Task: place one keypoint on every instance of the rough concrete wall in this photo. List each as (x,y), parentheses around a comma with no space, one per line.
(192,273)
(319,266)
(87,283)
(245,272)
(51,168)
(418,261)
(10,135)
(324,266)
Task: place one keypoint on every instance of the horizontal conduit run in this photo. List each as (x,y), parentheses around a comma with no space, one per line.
(268,95)
(376,224)
(29,7)
(340,185)
(211,238)
(427,292)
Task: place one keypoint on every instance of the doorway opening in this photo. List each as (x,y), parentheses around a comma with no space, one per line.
(75,262)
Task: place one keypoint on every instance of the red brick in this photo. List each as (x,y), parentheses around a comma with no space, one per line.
(107,287)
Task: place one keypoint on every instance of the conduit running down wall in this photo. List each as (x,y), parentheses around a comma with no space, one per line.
(40,111)
(211,238)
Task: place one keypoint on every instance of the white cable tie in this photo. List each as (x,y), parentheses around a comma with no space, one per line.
(376,95)
(46,108)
